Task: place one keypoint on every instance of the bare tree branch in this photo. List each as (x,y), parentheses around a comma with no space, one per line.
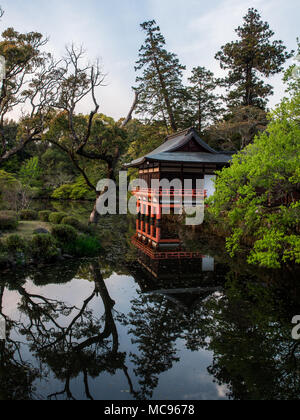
(129,116)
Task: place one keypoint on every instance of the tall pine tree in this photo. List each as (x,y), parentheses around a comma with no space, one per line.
(160,85)
(204,105)
(250,58)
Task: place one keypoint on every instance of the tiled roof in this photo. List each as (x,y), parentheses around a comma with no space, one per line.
(168,151)
(192,157)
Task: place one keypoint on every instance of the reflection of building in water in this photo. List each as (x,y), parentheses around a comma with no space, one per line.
(183,276)
(164,264)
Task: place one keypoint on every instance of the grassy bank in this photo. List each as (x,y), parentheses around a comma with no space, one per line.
(36,238)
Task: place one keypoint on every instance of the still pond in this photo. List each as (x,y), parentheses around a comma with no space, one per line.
(127,326)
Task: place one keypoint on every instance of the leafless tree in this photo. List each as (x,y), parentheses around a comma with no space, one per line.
(82,142)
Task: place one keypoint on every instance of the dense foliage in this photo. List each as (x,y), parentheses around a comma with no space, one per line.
(203,106)
(257,197)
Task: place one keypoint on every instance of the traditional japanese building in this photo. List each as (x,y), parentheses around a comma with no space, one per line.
(183,155)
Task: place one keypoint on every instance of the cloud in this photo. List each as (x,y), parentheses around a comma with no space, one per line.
(207,31)
(222,391)
(194,29)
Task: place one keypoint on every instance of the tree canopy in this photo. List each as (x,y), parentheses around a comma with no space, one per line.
(257,197)
(203,105)
(160,85)
(249,59)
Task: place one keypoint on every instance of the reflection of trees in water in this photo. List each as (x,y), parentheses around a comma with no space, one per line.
(247,326)
(16,375)
(155,325)
(254,354)
(60,273)
(86,345)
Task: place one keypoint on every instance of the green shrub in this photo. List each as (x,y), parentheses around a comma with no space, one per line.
(80,191)
(77,191)
(71,221)
(15,243)
(43,247)
(44,215)
(64,234)
(63,192)
(28,215)
(8,220)
(57,217)
(84,246)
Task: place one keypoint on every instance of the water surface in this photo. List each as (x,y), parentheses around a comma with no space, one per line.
(124,326)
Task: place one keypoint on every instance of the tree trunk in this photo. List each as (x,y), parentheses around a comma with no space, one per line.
(164,90)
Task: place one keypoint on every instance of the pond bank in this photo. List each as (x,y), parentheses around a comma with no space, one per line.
(54,237)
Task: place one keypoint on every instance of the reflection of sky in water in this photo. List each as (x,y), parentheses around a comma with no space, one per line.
(187,379)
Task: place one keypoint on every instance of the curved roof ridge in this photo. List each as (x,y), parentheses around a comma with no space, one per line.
(179,133)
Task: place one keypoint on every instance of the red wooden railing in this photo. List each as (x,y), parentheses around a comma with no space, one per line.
(162,192)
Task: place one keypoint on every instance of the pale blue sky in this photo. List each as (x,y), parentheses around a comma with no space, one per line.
(194,29)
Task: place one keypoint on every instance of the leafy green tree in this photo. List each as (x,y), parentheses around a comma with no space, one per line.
(77,191)
(257,197)
(14,195)
(250,58)
(105,144)
(57,168)
(30,171)
(144,138)
(160,86)
(204,105)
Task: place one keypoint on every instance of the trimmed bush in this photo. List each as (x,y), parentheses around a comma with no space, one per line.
(43,247)
(64,234)
(44,215)
(8,220)
(28,215)
(15,243)
(71,221)
(57,217)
